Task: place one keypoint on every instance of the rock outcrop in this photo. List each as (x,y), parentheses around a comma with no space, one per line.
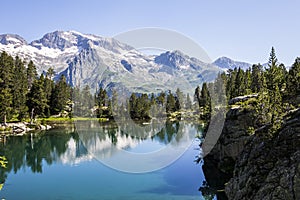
(253,165)
(269,168)
(233,138)
(219,163)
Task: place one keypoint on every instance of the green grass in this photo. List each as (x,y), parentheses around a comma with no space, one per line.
(5,129)
(55,119)
(66,119)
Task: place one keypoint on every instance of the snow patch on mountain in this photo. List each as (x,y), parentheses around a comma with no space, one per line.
(96,61)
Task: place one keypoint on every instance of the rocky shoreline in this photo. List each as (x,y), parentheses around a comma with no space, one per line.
(21,128)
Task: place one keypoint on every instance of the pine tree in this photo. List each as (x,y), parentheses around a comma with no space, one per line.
(275,74)
(205,102)
(272,59)
(247,82)
(31,74)
(204,99)
(218,91)
(197,95)
(257,81)
(239,83)
(20,89)
(60,96)
(133,106)
(144,107)
(48,88)
(161,99)
(230,83)
(153,105)
(37,101)
(293,79)
(6,103)
(152,99)
(179,99)
(102,97)
(171,103)
(109,110)
(6,83)
(276,103)
(188,104)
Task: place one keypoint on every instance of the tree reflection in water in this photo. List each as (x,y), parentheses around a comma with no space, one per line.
(32,150)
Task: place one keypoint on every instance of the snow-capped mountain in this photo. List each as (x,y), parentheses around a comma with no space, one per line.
(56,49)
(12,39)
(227,63)
(177,60)
(96,61)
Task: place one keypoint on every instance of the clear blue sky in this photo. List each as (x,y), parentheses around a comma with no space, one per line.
(242,30)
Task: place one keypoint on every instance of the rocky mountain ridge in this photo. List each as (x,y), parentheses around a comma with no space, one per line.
(86,59)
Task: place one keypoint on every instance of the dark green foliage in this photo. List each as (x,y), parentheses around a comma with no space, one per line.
(171,103)
(104,105)
(60,96)
(197,94)
(275,73)
(37,101)
(49,89)
(230,83)
(239,83)
(20,89)
(102,98)
(275,86)
(179,99)
(258,81)
(31,74)
(293,79)
(247,82)
(161,99)
(6,102)
(22,94)
(6,84)
(139,107)
(204,101)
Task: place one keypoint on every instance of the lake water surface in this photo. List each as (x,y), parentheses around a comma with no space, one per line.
(69,164)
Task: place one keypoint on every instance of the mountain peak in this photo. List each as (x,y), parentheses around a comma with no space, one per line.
(56,40)
(172,58)
(14,39)
(227,63)
(66,39)
(178,60)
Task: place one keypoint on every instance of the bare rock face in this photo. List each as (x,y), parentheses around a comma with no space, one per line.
(219,163)
(251,165)
(233,138)
(269,169)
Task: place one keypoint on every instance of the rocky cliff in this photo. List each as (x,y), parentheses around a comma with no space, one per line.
(253,166)
(269,168)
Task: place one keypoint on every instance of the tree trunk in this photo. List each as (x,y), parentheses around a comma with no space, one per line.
(31,117)
(4,120)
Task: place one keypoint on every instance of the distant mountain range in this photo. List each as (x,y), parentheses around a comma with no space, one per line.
(96,61)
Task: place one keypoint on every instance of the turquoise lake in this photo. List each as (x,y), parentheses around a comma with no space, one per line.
(68,163)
